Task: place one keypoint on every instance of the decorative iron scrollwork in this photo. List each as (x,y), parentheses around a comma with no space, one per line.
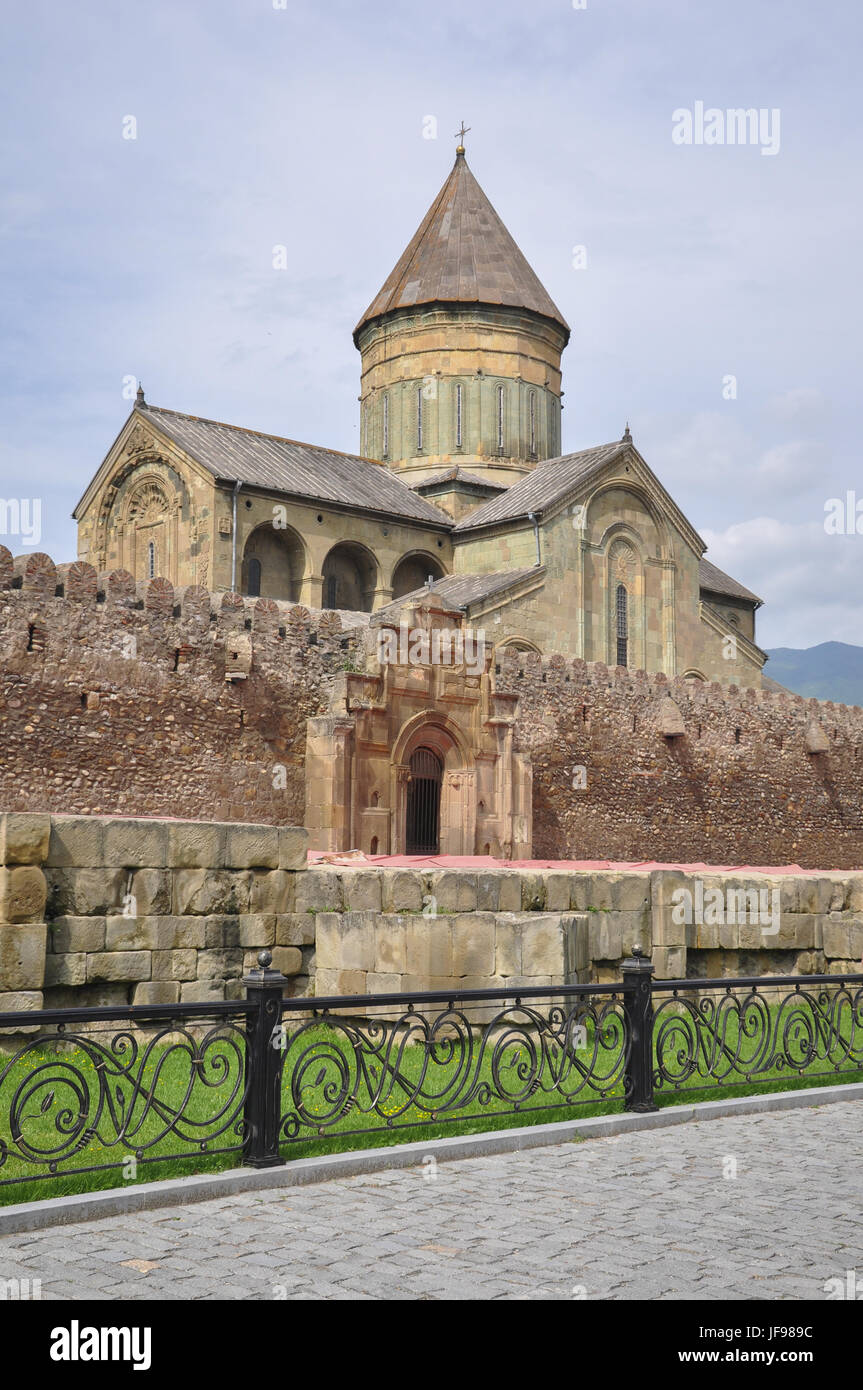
(420,1068)
(169,1094)
(748,1037)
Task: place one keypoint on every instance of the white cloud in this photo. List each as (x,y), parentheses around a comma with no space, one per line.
(809,581)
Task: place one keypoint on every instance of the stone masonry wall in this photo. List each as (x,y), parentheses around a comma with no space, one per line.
(502,927)
(629,766)
(104,910)
(143,700)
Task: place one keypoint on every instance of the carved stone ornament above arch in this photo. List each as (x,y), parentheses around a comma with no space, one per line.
(622,561)
(146,502)
(140,484)
(140,440)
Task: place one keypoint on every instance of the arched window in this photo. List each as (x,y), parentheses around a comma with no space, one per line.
(151,560)
(533,422)
(500,419)
(253,583)
(622,625)
(458,416)
(419,418)
(386,438)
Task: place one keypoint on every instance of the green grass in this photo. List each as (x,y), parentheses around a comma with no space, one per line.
(51,1099)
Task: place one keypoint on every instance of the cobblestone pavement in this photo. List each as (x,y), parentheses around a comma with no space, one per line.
(647,1215)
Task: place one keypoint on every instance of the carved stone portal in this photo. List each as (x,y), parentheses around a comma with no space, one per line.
(358,757)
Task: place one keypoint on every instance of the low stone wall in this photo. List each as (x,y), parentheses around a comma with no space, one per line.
(388,953)
(104,910)
(816,928)
(98,910)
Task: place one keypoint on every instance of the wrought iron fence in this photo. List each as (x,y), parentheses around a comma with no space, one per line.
(93,1089)
(106,1088)
(709,1034)
(433,1060)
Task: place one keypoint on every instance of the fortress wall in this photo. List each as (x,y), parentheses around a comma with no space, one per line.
(749,777)
(143,700)
(149,701)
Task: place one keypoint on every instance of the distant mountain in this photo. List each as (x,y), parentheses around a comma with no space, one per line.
(830,671)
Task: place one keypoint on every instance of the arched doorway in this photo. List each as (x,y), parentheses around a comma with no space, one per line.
(422,821)
(412,572)
(274,560)
(350,576)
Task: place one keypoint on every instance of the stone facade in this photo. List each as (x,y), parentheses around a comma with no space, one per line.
(476,386)
(154,511)
(617,528)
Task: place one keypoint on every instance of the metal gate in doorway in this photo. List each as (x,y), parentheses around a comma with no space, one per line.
(422,829)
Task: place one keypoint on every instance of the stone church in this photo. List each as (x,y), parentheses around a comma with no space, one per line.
(461,481)
(461,510)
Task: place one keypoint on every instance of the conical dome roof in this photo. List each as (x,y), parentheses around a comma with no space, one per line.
(462,253)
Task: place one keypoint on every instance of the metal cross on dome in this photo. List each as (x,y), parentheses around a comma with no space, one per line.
(460,134)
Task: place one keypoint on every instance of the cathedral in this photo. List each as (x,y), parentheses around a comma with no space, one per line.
(461,489)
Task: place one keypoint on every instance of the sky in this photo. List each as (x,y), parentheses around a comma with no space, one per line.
(153,156)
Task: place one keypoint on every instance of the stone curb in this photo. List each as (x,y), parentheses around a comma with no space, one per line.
(92,1206)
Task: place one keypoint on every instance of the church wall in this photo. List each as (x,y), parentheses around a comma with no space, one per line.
(699,648)
(385,540)
(585,556)
(151,495)
(486,553)
(736,612)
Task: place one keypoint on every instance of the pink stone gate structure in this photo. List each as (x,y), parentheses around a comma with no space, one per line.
(359,776)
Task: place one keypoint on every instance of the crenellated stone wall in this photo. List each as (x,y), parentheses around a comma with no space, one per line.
(126,699)
(117,698)
(631,766)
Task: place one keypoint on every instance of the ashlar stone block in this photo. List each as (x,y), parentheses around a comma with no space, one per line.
(251,847)
(543,947)
(23,894)
(473,944)
(22,956)
(118,965)
(24,837)
(390,945)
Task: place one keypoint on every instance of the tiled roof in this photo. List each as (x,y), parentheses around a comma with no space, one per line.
(716,581)
(462,253)
(549,481)
(458,475)
(286,466)
(461,590)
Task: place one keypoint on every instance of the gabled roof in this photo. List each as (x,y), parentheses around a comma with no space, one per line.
(462,253)
(458,475)
(462,590)
(716,581)
(233,454)
(548,482)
